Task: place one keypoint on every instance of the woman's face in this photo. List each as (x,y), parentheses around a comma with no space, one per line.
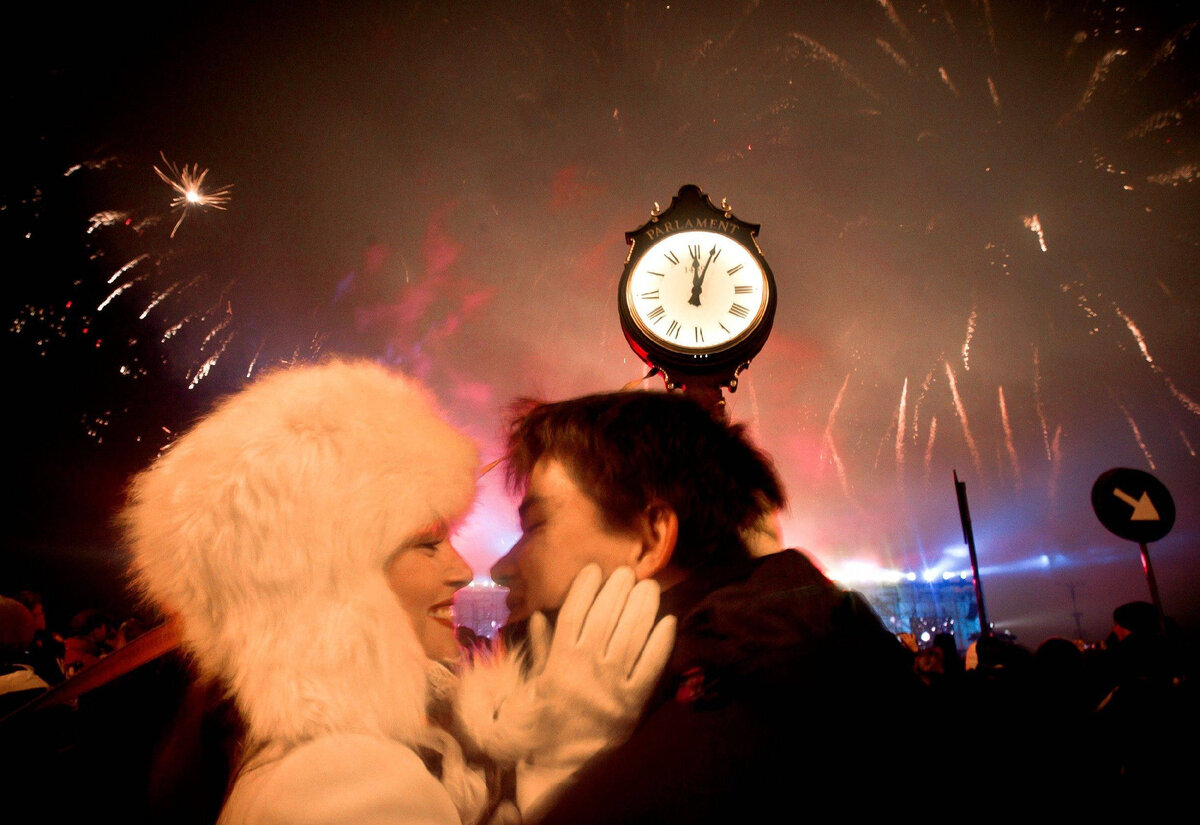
(425,573)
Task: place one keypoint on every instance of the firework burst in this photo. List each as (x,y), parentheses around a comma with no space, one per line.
(188,182)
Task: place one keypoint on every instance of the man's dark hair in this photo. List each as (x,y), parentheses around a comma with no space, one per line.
(630,450)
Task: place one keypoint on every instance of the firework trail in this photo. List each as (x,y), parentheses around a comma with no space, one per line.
(829,442)
(1186,173)
(105,218)
(1137,436)
(900,432)
(929,447)
(962,417)
(1037,400)
(893,54)
(945,76)
(1099,74)
(1180,396)
(1008,437)
(820,53)
(897,24)
(966,347)
(1035,226)
(995,96)
(139,259)
(1187,443)
(1055,462)
(1167,50)
(158,298)
(925,385)
(115,294)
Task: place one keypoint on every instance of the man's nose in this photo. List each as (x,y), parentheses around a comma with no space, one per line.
(504,569)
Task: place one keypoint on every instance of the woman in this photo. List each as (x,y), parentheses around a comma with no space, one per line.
(300,534)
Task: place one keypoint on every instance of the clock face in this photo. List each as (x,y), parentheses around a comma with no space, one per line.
(697,292)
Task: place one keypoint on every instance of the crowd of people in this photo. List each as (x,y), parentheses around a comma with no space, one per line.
(1079,718)
(658,664)
(42,655)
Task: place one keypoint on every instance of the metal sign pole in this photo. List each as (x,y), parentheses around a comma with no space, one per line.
(1150,580)
(960,489)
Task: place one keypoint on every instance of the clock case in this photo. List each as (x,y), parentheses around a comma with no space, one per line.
(689,210)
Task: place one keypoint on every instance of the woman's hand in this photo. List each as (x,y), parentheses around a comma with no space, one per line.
(592,677)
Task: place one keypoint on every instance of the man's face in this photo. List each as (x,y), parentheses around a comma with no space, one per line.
(562,530)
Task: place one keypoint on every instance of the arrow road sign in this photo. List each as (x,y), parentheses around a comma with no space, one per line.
(1143,508)
(1133,505)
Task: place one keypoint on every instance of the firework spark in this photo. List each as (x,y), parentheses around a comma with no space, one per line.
(188,181)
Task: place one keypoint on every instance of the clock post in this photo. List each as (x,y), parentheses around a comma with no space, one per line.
(696,298)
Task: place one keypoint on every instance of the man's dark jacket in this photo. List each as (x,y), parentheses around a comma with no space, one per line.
(782,690)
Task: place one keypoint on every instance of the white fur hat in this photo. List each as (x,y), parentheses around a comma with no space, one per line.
(266,529)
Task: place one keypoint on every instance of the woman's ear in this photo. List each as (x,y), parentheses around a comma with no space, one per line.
(659,531)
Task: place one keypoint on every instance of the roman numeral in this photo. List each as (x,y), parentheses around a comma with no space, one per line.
(734,271)
(673,330)
(671,257)
(739,310)
(722,326)
(737,290)
(653,294)
(699,335)
(656,314)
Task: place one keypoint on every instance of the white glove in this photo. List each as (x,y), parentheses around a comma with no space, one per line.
(593,679)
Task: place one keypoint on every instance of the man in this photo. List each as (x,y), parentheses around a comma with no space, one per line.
(777,676)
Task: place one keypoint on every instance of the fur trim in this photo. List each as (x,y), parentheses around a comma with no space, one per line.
(498,709)
(266,530)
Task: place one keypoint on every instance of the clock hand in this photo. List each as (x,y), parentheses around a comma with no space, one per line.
(694,251)
(698,278)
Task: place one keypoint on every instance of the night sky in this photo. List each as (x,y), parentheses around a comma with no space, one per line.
(981,218)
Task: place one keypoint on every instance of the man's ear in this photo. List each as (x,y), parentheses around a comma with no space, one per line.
(659,529)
